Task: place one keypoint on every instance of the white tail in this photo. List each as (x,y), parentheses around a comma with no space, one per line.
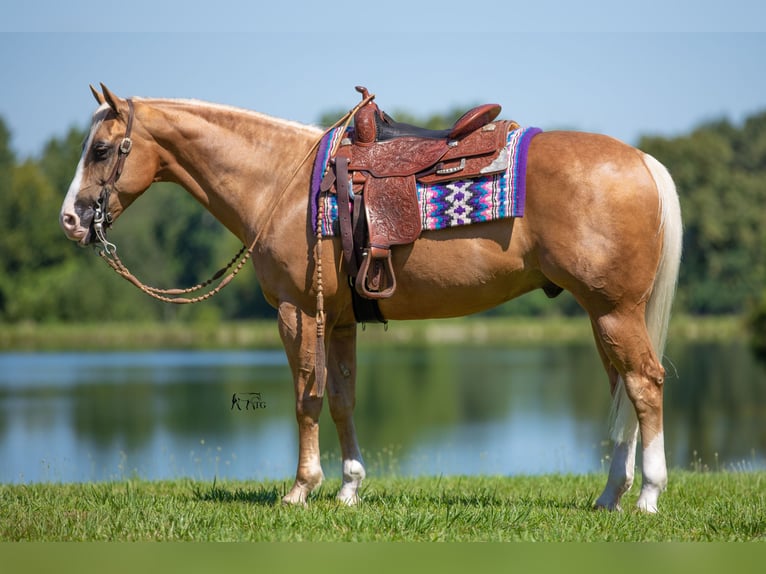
(624,422)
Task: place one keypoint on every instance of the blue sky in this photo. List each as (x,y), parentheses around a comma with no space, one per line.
(621,68)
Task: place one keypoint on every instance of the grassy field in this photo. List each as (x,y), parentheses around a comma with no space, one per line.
(699,506)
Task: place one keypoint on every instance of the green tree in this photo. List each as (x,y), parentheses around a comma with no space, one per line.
(29,245)
(7,162)
(721,180)
(7,157)
(60,157)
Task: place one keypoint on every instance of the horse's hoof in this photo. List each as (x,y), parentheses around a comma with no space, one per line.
(348,499)
(296,497)
(609,505)
(646,506)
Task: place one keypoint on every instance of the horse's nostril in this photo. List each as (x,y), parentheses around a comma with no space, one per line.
(69,221)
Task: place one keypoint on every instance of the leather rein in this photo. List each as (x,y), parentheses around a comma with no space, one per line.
(102,220)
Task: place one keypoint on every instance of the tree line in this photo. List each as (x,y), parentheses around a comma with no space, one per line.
(169,240)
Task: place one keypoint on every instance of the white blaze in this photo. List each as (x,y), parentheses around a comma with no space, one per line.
(68,207)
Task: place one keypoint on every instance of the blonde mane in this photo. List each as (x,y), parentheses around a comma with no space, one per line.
(202,106)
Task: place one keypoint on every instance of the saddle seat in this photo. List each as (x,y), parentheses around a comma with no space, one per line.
(376,170)
(372,125)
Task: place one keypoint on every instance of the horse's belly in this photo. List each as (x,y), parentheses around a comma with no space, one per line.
(447,274)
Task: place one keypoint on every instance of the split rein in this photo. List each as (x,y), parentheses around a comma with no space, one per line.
(102,219)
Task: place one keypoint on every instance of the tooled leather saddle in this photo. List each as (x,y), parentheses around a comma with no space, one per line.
(375,169)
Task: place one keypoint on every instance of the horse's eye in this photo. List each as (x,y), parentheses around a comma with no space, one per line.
(100,151)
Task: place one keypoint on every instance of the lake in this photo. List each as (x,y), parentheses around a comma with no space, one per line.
(427,410)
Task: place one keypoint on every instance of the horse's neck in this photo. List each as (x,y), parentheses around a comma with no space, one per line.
(234,162)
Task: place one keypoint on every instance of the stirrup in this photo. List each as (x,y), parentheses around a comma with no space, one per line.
(376,279)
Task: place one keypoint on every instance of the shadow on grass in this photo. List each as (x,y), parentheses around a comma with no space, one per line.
(262,496)
(480,499)
(272,494)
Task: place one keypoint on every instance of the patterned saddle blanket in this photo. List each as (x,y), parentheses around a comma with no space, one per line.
(445,204)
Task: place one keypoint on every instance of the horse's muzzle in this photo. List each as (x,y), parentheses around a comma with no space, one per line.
(78,227)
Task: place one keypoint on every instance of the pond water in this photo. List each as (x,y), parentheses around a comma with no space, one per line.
(71,417)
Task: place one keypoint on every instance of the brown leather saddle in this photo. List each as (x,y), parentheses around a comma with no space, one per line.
(375,169)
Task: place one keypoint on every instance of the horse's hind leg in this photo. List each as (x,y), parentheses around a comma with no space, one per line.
(341,393)
(626,343)
(623,460)
(298,333)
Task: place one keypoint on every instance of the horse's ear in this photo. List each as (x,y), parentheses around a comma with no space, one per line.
(113,101)
(98,95)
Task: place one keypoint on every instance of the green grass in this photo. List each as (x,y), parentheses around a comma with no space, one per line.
(698,506)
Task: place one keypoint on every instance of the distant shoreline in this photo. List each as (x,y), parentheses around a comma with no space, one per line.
(262,334)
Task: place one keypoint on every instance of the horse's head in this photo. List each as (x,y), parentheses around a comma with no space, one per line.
(116,166)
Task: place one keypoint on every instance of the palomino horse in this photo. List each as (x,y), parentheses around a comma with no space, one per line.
(602,221)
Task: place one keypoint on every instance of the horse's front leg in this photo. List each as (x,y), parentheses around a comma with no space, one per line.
(341,392)
(298,333)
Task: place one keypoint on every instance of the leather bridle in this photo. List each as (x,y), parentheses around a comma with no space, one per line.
(102,217)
